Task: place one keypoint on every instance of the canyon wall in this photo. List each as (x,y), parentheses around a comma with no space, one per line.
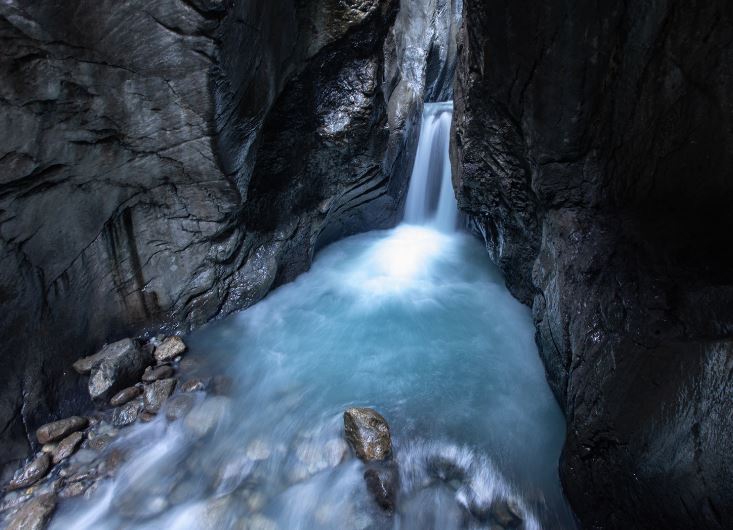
(593,151)
(166,163)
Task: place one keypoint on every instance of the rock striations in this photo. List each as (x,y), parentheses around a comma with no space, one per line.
(593,150)
(166,163)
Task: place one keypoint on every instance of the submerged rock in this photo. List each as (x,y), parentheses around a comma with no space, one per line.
(383,484)
(121,365)
(368,434)
(193,385)
(125,395)
(156,394)
(507,513)
(55,431)
(170,348)
(155,373)
(178,406)
(35,514)
(207,415)
(34,471)
(66,447)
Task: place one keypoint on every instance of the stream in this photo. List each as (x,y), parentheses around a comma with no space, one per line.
(414,322)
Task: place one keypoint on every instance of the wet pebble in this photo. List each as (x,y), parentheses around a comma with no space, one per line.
(125,396)
(156,394)
(35,514)
(34,471)
(66,447)
(178,406)
(57,430)
(151,374)
(73,489)
(193,385)
(169,349)
(127,413)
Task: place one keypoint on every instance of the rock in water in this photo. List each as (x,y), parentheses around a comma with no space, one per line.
(159,372)
(506,513)
(34,515)
(383,483)
(157,393)
(171,348)
(121,365)
(179,406)
(32,472)
(124,396)
(66,447)
(127,413)
(368,433)
(54,431)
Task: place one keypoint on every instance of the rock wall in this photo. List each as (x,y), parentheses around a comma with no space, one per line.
(165,163)
(593,150)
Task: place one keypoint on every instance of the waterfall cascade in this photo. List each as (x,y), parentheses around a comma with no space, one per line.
(430,198)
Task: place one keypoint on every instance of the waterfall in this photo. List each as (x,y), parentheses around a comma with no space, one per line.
(430,198)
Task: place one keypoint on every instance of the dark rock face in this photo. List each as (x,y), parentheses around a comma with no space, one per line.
(171,163)
(593,151)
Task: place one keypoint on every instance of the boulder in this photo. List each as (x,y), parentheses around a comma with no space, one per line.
(169,349)
(57,430)
(125,395)
(121,365)
(368,434)
(35,514)
(66,447)
(34,471)
(159,372)
(156,394)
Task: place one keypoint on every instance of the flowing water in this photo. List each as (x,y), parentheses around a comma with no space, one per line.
(414,322)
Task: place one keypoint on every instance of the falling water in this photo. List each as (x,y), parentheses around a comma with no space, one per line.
(430,199)
(414,322)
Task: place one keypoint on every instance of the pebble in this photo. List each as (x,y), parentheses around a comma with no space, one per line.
(151,374)
(127,413)
(34,471)
(66,447)
(169,349)
(73,490)
(57,430)
(157,392)
(193,385)
(125,396)
(178,406)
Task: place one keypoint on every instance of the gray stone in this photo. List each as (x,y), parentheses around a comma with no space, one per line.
(125,395)
(156,393)
(170,348)
(178,406)
(368,434)
(55,431)
(74,489)
(158,372)
(34,471)
(66,447)
(127,413)
(35,514)
(193,385)
(121,366)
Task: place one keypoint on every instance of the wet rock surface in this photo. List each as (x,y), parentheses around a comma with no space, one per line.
(120,365)
(127,413)
(66,447)
(169,349)
(125,395)
(159,372)
(185,184)
(156,393)
(593,158)
(35,470)
(368,434)
(57,430)
(383,484)
(35,514)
